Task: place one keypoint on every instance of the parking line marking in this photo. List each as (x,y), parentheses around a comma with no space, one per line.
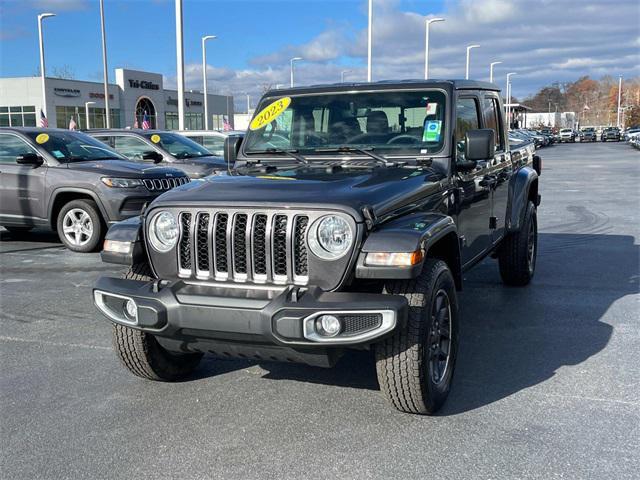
(53,344)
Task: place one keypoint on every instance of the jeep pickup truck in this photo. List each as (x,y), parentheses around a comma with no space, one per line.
(353,235)
(73,184)
(610,134)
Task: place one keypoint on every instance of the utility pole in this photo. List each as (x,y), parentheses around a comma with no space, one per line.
(180,64)
(105,70)
(619,99)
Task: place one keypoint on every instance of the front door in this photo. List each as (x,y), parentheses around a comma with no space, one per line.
(22,187)
(474,189)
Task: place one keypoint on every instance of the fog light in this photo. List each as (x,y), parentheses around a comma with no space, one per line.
(131,309)
(328,325)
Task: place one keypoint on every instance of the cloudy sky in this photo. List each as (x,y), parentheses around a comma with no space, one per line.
(544,41)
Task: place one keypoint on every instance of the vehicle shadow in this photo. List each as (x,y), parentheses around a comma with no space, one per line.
(510,338)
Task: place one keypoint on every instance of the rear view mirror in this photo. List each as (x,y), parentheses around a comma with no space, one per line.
(231,149)
(29,159)
(152,155)
(480,144)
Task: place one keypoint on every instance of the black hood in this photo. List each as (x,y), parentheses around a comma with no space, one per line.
(125,168)
(384,189)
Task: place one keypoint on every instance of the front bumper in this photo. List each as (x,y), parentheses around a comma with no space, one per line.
(190,317)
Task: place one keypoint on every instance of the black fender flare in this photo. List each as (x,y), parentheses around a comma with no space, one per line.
(417,231)
(520,191)
(83,191)
(126,231)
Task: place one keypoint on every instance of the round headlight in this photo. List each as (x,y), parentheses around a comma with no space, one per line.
(163,232)
(331,238)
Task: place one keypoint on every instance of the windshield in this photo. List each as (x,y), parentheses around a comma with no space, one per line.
(588,129)
(408,122)
(73,146)
(178,146)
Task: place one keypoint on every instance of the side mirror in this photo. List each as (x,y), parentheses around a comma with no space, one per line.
(479,144)
(30,159)
(231,148)
(152,155)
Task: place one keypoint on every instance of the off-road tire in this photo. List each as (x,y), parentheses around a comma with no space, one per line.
(90,207)
(141,353)
(402,360)
(517,262)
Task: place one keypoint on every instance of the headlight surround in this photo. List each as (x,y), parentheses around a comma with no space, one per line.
(163,231)
(330,237)
(122,182)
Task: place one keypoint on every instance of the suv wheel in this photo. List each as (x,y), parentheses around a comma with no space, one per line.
(415,365)
(80,225)
(141,353)
(518,252)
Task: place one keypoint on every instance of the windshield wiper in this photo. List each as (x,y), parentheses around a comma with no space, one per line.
(292,153)
(364,151)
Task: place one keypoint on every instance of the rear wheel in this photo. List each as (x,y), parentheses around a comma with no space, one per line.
(141,353)
(415,365)
(518,252)
(80,225)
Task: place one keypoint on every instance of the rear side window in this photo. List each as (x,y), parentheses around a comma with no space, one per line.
(214,144)
(467,118)
(493,120)
(11,147)
(131,147)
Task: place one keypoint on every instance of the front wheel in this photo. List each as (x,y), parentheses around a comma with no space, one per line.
(79,225)
(415,365)
(518,252)
(141,353)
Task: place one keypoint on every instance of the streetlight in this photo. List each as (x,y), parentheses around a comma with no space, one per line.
(41,17)
(468,51)
(204,79)
(369,37)
(180,64)
(248,103)
(619,99)
(86,111)
(426,45)
(491,70)
(104,67)
(342,75)
(294,59)
(509,98)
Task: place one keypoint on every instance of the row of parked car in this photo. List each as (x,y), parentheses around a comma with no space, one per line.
(541,138)
(632,136)
(81,183)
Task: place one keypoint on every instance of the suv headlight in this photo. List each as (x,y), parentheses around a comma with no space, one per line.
(121,182)
(330,237)
(164,231)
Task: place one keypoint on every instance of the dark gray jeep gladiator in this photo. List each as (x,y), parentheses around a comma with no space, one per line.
(347,223)
(72,183)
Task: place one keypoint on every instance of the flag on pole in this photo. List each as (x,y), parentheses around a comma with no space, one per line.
(145,122)
(44,123)
(72,124)
(226,126)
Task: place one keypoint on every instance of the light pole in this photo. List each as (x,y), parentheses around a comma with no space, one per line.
(619,99)
(86,112)
(469,47)
(491,70)
(180,64)
(248,103)
(426,45)
(342,75)
(294,59)
(509,75)
(41,17)
(104,67)
(204,79)
(369,37)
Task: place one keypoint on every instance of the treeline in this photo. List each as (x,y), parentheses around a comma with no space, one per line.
(594,101)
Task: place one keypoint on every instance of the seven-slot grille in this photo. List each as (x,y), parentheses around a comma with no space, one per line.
(160,184)
(245,246)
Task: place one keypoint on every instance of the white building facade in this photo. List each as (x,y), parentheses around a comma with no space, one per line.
(134,95)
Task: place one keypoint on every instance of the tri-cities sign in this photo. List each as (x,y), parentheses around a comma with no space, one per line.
(143,84)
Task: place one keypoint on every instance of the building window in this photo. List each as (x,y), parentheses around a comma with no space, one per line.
(171,121)
(96,117)
(192,121)
(18,116)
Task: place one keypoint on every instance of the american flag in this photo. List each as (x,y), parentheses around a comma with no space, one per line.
(44,123)
(72,124)
(145,122)
(226,126)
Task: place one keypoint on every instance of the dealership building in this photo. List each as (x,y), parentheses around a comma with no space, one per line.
(134,94)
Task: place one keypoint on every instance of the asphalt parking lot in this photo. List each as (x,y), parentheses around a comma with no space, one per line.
(547,384)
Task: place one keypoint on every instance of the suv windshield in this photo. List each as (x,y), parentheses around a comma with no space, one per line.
(178,146)
(588,129)
(73,146)
(410,122)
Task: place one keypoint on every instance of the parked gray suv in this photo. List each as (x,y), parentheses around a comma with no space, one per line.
(72,183)
(163,148)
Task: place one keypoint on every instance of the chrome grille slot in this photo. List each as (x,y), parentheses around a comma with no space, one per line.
(220,243)
(202,245)
(240,244)
(260,245)
(184,246)
(279,246)
(301,266)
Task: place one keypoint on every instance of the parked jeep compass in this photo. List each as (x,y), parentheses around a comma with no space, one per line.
(72,183)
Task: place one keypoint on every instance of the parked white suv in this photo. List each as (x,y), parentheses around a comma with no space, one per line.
(567,135)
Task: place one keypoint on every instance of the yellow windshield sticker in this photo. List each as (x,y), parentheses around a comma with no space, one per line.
(42,138)
(269,113)
(155,138)
(273,177)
